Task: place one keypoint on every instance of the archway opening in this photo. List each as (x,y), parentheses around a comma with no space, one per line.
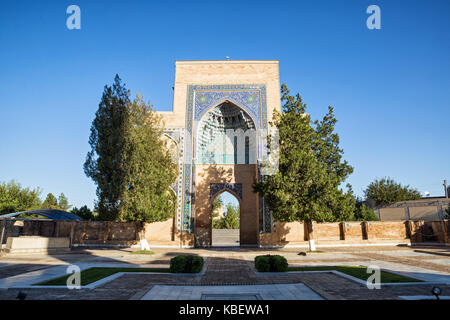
(226,135)
(225,213)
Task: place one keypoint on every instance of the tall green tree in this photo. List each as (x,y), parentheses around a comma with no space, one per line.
(150,170)
(84,213)
(311,169)
(15,198)
(50,202)
(363,212)
(231,218)
(105,162)
(386,191)
(216,205)
(63,202)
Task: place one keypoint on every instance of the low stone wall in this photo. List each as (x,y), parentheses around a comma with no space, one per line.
(161,234)
(344,233)
(36,244)
(285,233)
(106,233)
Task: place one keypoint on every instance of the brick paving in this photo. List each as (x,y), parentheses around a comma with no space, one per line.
(236,268)
(12,270)
(410,261)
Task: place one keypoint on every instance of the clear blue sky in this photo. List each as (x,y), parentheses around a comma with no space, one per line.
(390,87)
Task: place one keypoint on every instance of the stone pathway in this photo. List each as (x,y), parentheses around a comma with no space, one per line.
(227,270)
(415,261)
(296,291)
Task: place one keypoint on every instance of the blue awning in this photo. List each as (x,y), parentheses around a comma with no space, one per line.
(48,213)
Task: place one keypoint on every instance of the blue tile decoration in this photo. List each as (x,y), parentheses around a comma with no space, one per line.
(200,99)
(215,188)
(177,134)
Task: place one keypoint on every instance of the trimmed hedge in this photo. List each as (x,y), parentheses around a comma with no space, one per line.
(186,264)
(269,263)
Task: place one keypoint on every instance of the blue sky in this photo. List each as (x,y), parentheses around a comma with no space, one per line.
(390,87)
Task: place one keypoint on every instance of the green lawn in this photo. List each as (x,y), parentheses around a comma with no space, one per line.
(94,274)
(359,272)
(142,252)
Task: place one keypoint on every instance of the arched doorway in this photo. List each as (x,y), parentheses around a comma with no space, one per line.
(225,152)
(225,220)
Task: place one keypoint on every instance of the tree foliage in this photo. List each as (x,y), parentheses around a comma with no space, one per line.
(84,213)
(311,170)
(128,160)
(14,198)
(63,202)
(230,220)
(363,212)
(386,191)
(60,203)
(150,170)
(105,162)
(50,202)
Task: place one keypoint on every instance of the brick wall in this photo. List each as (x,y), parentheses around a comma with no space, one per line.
(354,233)
(105,232)
(284,234)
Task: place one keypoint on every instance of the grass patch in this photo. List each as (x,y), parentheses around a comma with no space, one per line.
(94,274)
(359,272)
(142,252)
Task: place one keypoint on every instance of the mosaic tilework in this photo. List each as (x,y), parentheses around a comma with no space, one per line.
(177,134)
(215,188)
(200,99)
(265,218)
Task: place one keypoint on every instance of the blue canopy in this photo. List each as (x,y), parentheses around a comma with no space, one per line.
(48,213)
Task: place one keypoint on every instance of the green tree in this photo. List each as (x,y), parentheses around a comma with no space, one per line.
(84,213)
(231,218)
(311,170)
(150,170)
(105,162)
(364,212)
(50,202)
(14,198)
(216,205)
(386,191)
(63,202)
(447,215)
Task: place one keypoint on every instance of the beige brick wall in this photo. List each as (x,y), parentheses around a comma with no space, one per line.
(327,231)
(222,72)
(386,230)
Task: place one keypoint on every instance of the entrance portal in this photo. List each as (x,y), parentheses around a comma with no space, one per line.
(226,162)
(225,220)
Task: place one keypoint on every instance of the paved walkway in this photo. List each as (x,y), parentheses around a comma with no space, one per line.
(296,291)
(232,269)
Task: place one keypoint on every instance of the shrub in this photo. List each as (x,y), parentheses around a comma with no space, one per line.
(278,264)
(196,264)
(262,263)
(178,264)
(269,263)
(186,264)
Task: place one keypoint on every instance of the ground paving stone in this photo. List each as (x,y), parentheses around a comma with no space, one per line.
(407,260)
(231,267)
